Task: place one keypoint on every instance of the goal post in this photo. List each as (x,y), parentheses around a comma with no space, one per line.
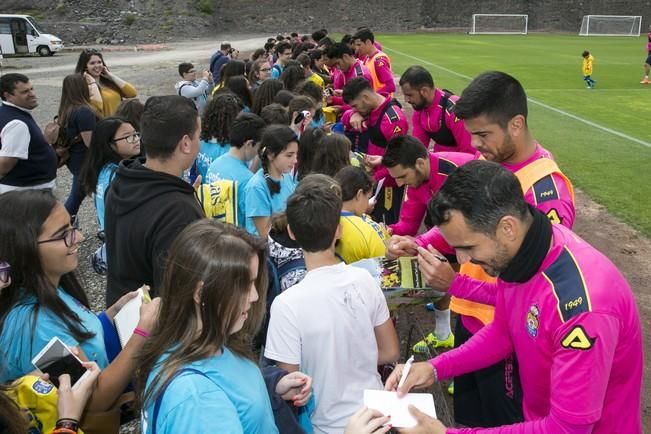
(499,24)
(611,25)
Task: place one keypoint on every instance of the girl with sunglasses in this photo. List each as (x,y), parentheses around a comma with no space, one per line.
(45,298)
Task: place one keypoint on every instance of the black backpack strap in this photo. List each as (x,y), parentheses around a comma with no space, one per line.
(444,136)
(375,132)
(359,72)
(182,86)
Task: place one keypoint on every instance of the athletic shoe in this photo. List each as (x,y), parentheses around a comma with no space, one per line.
(451,388)
(431,341)
(645,81)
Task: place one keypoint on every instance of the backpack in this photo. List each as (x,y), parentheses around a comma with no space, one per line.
(56,135)
(219,200)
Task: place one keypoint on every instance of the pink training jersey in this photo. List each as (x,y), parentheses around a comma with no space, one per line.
(550,195)
(389,127)
(337,78)
(576,332)
(414,206)
(356,70)
(427,124)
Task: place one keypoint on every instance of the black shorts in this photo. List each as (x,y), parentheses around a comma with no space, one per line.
(489,397)
(648,59)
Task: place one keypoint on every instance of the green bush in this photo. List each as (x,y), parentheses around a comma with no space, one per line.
(204,6)
(129,19)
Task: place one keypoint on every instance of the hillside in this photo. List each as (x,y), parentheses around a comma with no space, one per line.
(129,21)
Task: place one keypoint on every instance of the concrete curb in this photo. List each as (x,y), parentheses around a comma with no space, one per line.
(114,48)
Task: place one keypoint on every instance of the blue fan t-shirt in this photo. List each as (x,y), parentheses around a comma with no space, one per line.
(260,202)
(231,397)
(234,169)
(209,151)
(19,346)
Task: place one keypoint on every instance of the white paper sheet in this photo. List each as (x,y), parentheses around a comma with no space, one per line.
(126,320)
(388,403)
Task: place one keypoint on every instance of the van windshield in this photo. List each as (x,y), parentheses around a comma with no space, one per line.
(32,21)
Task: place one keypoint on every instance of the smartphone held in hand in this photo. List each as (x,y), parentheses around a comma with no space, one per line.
(56,359)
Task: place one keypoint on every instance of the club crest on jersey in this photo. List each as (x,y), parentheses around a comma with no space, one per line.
(532,321)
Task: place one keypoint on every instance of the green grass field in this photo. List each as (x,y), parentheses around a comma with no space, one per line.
(615,171)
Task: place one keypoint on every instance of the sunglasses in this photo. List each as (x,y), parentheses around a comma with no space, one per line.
(5,272)
(69,236)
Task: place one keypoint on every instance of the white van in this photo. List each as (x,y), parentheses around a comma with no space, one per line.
(19,35)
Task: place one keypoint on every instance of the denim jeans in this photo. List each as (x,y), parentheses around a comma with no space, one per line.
(74,163)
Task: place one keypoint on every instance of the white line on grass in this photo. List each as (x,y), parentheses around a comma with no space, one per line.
(532,100)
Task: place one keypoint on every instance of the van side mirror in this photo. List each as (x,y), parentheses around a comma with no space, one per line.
(34,33)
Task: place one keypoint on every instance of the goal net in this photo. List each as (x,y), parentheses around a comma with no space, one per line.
(610,25)
(499,24)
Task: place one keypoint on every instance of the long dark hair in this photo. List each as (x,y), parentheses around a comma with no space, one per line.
(240,87)
(332,155)
(307,146)
(100,152)
(217,257)
(292,76)
(275,139)
(74,94)
(232,68)
(219,115)
(131,109)
(265,94)
(11,418)
(22,214)
(84,57)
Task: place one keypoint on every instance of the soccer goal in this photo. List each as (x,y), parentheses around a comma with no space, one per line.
(610,25)
(499,24)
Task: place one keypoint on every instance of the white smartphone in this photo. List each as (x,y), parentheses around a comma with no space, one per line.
(56,359)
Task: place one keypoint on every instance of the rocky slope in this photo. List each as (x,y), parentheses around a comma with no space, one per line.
(149,21)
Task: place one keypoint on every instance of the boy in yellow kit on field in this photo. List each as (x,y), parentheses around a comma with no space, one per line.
(587,69)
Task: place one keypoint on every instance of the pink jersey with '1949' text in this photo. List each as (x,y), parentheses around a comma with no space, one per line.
(576,332)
